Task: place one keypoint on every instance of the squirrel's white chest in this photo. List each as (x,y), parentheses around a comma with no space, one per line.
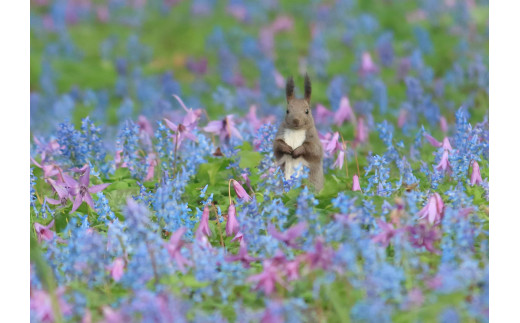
(294,138)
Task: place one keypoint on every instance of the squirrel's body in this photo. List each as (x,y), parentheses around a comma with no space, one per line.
(297,143)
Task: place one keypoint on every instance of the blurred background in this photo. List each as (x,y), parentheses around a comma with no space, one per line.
(115,60)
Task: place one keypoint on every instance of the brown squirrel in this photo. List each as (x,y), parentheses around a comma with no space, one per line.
(297,140)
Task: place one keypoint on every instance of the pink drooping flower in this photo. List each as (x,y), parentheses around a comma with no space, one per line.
(476,177)
(290,235)
(43,232)
(446,144)
(117,269)
(224,128)
(433,210)
(340,160)
(63,190)
(203,229)
(144,125)
(367,65)
(182,131)
(174,247)
(344,112)
(232,226)
(361,131)
(241,192)
(355,183)
(424,235)
(444,164)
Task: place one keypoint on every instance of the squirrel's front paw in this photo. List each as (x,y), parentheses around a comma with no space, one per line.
(298,152)
(286,149)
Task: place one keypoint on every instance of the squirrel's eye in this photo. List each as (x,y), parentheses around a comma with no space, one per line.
(307,111)
(287,111)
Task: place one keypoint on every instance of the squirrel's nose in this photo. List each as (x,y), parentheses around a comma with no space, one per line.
(296,122)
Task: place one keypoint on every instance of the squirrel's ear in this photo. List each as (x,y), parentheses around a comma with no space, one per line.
(308,88)
(289,89)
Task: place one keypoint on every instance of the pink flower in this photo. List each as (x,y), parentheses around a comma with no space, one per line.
(476,178)
(103,14)
(41,305)
(386,234)
(278,79)
(323,115)
(242,256)
(282,23)
(83,190)
(361,131)
(434,142)
(446,144)
(444,164)
(444,124)
(116,269)
(367,65)
(238,12)
(321,257)
(174,247)
(355,183)
(403,115)
(43,231)
(232,226)
(344,112)
(203,229)
(292,269)
(224,128)
(151,160)
(241,192)
(268,278)
(144,125)
(433,210)
(333,144)
(339,160)
(290,235)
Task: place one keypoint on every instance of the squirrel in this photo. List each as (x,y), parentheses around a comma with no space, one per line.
(297,140)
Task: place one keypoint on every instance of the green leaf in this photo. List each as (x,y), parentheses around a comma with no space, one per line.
(249,159)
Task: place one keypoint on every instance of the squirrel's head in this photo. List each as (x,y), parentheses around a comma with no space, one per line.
(298,114)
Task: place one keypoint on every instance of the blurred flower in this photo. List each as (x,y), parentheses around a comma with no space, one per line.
(232,226)
(174,247)
(203,228)
(83,190)
(361,131)
(444,164)
(241,192)
(43,232)
(290,235)
(367,65)
(117,268)
(344,112)
(476,178)
(433,210)
(355,183)
(267,279)
(224,128)
(323,115)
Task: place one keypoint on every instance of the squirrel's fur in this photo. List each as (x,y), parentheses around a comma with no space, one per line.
(297,140)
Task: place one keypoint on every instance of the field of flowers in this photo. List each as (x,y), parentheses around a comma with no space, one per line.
(155,196)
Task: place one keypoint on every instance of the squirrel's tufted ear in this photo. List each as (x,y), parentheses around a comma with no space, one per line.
(289,89)
(308,88)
